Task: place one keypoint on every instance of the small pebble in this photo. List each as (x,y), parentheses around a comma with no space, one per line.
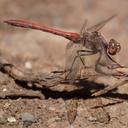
(4,89)
(3,118)
(52,108)
(28,119)
(92,119)
(11,119)
(6,105)
(28,65)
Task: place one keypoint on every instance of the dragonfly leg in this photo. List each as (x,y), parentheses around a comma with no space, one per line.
(110,88)
(79,55)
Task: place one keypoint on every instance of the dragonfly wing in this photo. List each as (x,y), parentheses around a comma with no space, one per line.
(73,62)
(100,25)
(83,28)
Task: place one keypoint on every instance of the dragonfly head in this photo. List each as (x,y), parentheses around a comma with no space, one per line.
(113,47)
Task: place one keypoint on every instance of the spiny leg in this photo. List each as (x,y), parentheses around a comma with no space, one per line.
(79,55)
(110,88)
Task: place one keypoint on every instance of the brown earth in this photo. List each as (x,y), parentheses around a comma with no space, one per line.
(35,51)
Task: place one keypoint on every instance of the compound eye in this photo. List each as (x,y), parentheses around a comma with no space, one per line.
(113,47)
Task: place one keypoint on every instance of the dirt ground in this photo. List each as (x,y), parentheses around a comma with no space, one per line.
(35,51)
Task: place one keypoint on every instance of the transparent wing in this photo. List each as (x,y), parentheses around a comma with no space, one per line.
(73,62)
(83,28)
(100,25)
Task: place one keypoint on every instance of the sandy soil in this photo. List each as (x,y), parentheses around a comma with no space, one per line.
(35,51)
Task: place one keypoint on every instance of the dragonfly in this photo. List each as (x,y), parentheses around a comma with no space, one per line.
(86,43)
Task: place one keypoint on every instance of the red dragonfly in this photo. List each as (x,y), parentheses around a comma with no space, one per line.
(88,42)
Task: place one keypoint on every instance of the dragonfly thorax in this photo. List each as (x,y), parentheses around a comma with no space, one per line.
(93,41)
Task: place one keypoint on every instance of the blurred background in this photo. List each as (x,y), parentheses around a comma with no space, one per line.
(45,52)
